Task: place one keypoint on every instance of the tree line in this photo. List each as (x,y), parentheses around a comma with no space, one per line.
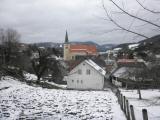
(17,58)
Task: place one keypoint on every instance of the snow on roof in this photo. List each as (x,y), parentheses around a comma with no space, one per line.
(125,72)
(95,66)
(120,72)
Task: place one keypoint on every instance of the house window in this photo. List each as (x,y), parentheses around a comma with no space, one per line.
(72,81)
(79,71)
(88,72)
(81,81)
(77,81)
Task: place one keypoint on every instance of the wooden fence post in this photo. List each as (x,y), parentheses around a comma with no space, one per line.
(132,112)
(128,112)
(121,101)
(118,95)
(124,104)
(145,114)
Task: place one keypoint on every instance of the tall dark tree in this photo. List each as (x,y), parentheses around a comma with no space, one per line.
(9,39)
(40,62)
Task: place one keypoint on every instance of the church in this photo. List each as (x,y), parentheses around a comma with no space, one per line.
(76,51)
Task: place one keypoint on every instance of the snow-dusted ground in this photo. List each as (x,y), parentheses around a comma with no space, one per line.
(20,101)
(150,101)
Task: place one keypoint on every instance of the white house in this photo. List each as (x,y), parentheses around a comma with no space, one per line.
(86,75)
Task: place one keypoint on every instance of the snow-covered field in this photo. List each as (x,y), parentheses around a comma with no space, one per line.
(20,101)
(150,101)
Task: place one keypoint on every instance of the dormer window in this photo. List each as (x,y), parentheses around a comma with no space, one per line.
(79,71)
(88,72)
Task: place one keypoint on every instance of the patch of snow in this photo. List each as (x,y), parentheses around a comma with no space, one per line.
(157,56)
(133,46)
(57,85)
(150,101)
(30,77)
(117,49)
(21,101)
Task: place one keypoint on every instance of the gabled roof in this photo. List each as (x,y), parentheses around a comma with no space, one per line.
(99,61)
(73,64)
(126,72)
(89,49)
(96,67)
(120,72)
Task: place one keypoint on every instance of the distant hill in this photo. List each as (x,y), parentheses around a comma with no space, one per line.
(124,45)
(100,48)
(151,44)
(107,46)
(154,39)
(49,44)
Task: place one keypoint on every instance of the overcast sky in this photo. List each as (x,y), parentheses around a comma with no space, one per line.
(47,20)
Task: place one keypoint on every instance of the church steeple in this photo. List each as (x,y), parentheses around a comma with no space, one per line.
(66,48)
(66,37)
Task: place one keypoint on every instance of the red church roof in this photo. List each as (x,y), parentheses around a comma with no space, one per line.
(89,49)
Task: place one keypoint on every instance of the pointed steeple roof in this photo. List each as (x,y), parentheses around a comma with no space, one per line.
(66,37)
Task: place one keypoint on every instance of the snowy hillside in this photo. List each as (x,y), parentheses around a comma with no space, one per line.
(20,101)
(150,101)
(133,46)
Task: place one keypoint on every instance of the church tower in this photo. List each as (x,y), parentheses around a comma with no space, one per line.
(66,48)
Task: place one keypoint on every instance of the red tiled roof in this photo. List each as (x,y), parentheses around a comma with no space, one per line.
(130,63)
(89,49)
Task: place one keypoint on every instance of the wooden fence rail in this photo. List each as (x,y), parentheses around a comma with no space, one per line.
(129,109)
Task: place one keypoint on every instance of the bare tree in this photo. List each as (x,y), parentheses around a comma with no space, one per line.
(40,62)
(9,44)
(149,10)
(122,10)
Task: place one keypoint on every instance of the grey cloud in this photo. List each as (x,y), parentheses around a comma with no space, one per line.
(47,20)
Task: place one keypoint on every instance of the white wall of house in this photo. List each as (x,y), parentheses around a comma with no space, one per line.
(78,78)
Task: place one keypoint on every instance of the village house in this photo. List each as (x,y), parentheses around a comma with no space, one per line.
(77,51)
(85,75)
(126,69)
